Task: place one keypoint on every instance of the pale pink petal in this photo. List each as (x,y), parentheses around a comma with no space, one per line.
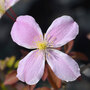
(26,32)
(31,68)
(10,3)
(62,65)
(5,5)
(61,31)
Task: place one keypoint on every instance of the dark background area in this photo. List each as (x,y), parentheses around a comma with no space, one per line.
(45,11)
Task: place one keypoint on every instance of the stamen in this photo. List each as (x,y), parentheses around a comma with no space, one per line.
(42,45)
(2,10)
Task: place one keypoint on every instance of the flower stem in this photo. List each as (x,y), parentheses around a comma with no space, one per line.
(13,13)
(14,16)
(10,16)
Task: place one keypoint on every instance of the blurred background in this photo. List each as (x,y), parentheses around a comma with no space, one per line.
(45,11)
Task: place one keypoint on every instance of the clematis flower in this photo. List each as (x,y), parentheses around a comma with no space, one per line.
(5,5)
(27,33)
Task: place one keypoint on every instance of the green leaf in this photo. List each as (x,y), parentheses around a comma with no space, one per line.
(11,61)
(2,64)
(16,64)
(11,78)
(3,87)
(53,79)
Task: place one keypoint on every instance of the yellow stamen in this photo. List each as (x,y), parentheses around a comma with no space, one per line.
(2,8)
(42,45)
(2,11)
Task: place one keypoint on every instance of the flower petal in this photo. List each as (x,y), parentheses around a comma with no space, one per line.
(61,31)
(26,32)
(9,3)
(5,5)
(62,65)
(31,68)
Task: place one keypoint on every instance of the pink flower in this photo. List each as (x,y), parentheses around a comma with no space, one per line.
(27,33)
(5,5)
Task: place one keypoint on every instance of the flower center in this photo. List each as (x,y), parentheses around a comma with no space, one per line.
(2,10)
(42,45)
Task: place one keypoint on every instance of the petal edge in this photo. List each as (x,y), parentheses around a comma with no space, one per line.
(61,31)
(31,68)
(63,65)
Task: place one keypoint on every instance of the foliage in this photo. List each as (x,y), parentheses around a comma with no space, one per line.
(8,73)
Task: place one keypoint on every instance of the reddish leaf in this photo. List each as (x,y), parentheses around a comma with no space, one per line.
(29,87)
(43,88)
(45,73)
(19,86)
(26,88)
(11,78)
(24,52)
(53,79)
(68,46)
(59,48)
(78,56)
